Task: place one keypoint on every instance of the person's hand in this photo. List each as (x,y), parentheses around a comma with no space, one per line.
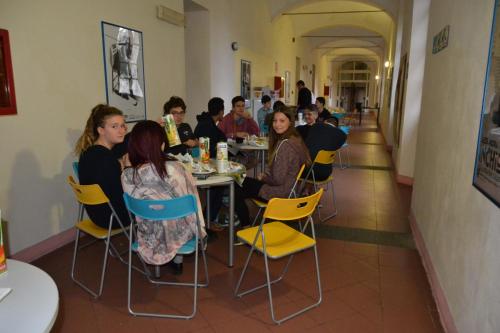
(191,143)
(247,115)
(161,121)
(125,162)
(242,135)
(260,176)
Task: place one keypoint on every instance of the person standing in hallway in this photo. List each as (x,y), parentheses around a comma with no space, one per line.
(304,96)
(238,123)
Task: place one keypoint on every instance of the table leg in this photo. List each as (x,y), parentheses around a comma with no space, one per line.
(231,225)
(208,209)
(262,161)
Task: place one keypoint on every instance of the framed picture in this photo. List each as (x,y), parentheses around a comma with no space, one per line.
(246,77)
(124,70)
(487,167)
(7,92)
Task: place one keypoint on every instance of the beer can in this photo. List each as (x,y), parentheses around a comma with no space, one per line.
(205,149)
(171,130)
(222,162)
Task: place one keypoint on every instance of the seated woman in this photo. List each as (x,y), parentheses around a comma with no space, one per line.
(152,175)
(177,108)
(287,153)
(99,163)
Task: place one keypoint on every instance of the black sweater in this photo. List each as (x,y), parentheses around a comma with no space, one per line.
(206,127)
(99,165)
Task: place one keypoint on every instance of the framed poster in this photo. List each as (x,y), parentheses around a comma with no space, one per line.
(124,70)
(246,76)
(7,93)
(487,167)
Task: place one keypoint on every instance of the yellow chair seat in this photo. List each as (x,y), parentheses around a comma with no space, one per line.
(260,204)
(93,229)
(281,240)
(320,182)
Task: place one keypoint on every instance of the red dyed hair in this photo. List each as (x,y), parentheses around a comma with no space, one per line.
(144,146)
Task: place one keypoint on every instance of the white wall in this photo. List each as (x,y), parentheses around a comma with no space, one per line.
(460,226)
(59,76)
(197,45)
(416,37)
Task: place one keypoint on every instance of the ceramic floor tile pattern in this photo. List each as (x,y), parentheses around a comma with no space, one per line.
(372,277)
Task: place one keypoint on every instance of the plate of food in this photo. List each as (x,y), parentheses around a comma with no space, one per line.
(202,169)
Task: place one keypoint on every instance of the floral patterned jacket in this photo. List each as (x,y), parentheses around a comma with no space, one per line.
(160,241)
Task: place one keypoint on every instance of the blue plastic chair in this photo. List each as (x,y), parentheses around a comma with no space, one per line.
(158,211)
(75,169)
(346,130)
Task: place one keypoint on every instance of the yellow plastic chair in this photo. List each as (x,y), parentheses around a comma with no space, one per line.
(93,195)
(325,157)
(262,205)
(276,240)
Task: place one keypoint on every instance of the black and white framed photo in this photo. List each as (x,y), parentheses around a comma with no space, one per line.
(124,70)
(246,79)
(487,168)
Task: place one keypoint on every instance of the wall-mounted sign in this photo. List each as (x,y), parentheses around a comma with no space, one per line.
(487,169)
(440,41)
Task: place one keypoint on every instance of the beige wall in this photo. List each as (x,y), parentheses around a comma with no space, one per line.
(59,76)
(460,226)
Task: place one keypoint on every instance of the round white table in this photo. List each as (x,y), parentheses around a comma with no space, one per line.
(33,302)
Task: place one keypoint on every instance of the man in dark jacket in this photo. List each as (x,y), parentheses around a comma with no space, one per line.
(207,124)
(324,136)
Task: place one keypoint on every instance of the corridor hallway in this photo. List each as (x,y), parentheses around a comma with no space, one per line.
(372,276)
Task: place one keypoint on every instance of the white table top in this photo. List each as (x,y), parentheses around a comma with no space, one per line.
(33,303)
(213,180)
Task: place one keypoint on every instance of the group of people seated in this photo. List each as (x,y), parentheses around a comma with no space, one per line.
(137,163)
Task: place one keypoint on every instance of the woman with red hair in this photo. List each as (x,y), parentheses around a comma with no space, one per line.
(153,175)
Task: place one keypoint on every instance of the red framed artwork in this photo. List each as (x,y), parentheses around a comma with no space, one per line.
(7,93)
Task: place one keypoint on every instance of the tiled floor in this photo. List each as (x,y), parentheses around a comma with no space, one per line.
(367,287)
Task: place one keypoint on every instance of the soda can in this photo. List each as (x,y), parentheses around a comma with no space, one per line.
(205,149)
(222,162)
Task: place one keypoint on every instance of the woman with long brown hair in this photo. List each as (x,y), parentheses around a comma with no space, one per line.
(287,153)
(99,162)
(153,175)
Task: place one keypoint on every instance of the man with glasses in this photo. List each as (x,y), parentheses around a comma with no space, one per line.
(177,108)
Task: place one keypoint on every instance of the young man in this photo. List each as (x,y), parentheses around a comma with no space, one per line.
(323,113)
(310,116)
(265,110)
(177,108)
(207,124)
(238,123)
(324,136)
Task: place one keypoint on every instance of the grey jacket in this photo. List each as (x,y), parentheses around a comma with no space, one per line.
(279,178)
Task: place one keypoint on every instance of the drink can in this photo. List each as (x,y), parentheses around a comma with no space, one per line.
(171,130)
(222,157)
(205,149)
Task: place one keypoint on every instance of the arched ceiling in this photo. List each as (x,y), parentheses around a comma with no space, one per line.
(341,27)
(278,7)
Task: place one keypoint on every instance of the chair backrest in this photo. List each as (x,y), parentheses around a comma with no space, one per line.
(157,210)
(345,129)
(325,157)
(297,179)
(88,194)
(292,209)
(75,169)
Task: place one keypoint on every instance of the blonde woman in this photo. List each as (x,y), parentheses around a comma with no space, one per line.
(99,162)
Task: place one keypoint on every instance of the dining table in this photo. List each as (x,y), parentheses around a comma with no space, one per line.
(32,303)
(259,145)
(209,179)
